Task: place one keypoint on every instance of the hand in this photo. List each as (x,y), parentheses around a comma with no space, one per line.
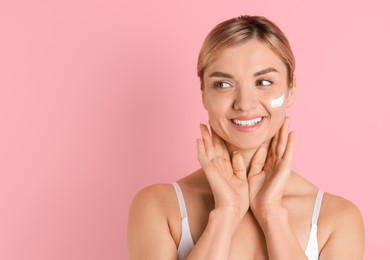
(269,173)
(227,178)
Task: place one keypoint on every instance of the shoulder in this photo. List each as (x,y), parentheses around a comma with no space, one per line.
(154,197)
(337,211)
(151,212)
(341,224)
(335,201)
(155,191)
(154,205)
(334,208)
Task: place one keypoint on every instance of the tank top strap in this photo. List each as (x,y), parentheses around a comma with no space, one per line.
(180,198)
(312,251)
(186,242)
(317,208)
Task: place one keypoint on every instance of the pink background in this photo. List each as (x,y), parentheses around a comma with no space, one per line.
(100,98)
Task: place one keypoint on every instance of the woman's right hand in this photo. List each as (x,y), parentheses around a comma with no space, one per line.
(226,177)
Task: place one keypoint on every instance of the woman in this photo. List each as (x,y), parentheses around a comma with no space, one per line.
(245,202)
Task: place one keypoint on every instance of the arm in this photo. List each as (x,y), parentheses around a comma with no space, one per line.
(148,230)
(229,185)
(215,240)
(269,173)
(281,240)
(148,234)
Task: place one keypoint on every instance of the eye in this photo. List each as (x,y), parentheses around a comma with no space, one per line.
(264,83)
(222,84)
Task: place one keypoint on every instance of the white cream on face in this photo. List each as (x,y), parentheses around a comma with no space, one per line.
(277,102)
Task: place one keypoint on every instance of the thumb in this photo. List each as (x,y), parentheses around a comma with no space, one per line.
(238,164)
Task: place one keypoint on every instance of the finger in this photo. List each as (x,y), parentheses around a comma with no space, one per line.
(208,144)
(258,160)
(274,142)
(219,145)
(282,140)
(238,165)
(202,155)
(289,152)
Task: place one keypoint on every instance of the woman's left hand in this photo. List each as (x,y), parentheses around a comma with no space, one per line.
(269,172)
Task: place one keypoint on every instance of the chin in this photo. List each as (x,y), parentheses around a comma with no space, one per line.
(244,145)
(242,141)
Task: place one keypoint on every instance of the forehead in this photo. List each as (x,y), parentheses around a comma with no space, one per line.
(246,58)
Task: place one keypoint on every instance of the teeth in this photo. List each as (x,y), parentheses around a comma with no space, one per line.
(251,122)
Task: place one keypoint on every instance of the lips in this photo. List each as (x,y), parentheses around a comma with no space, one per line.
(248,122)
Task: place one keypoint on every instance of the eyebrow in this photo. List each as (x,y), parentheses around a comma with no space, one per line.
(226,75)
(265,71)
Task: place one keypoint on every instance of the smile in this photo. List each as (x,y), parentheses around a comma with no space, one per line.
(251,122)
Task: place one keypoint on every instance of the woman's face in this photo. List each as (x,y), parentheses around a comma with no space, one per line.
(246,93)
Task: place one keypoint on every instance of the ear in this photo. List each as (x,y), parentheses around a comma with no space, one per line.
(291,93)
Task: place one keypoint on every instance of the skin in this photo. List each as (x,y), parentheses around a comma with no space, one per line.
(245,202)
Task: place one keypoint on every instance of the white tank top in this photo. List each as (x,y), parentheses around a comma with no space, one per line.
(186,243)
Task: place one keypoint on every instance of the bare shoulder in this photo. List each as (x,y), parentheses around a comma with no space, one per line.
(336,210)
(342,228)
(156,200)
(153,194)
(337,202)
(149,224)
(340,224)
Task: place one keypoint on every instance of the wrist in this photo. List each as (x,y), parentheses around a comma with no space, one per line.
(270,217)
(230,215)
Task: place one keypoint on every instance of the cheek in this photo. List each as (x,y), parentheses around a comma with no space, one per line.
(277,102)
(214,111)
(217,106)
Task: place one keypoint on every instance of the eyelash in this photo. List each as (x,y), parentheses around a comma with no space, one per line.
(262,80)
(219,84)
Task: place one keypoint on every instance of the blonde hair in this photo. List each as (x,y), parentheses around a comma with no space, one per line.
(239,30)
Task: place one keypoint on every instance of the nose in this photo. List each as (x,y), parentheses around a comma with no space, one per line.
(245,100)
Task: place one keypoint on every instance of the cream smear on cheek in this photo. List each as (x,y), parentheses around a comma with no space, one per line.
(277,102)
